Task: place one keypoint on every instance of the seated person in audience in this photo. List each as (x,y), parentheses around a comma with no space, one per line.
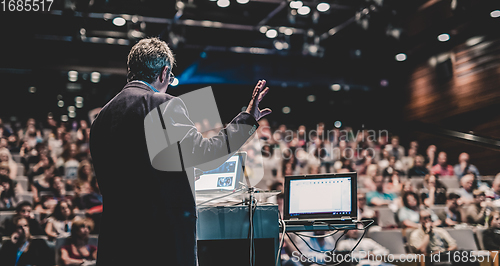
(491,236)
(41,183)
(451,215)
(427,238)
(60,221)
(43,162)
(476,212)
(58,192)
(464,167)
(442,167)
(364,212)
(392,168)
(78,251)
(6,157)
(433,192)
(8,199)
(23,250)
(494,191)
(24,209)
(409,214)
(89,196)
(418,168)
(468,185)
(380,197)
(366,245)
(395,149)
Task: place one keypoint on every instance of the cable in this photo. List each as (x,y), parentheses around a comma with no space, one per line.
(278,256)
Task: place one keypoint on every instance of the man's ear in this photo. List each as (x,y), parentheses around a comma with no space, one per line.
(164,74)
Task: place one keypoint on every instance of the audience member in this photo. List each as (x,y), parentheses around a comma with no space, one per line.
(60,221)
(434,192)
(395,149)
(78,251)
(451,215)
(491,236)
(409,214)
(468,185)
(418,168)
(5,156)
(393,167)
(366,245)
(23,250)
(476,212)
(380,197)
(24,209)
(430,159)
(442,167)
(494,191)
(8,199)
(67,164)
(464,167)
(427,238)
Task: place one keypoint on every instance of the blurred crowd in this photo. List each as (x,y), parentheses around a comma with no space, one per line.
(47,183)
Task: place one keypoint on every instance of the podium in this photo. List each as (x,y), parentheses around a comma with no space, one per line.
(224,235)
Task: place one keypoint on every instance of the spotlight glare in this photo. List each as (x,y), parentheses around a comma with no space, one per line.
(272,33)
(443,37)
(175,82)
(303,10)
(323,7)
(223,3)
(296,4)
(401,57)
(495,13)
(119,21)
(335,87)
(337,124)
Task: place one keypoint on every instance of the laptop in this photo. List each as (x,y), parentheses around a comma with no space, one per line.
(223,179)
(320,199)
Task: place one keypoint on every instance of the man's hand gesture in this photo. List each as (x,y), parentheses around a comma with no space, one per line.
(258,94)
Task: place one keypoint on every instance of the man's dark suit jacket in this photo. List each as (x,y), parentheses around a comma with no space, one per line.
(149,216)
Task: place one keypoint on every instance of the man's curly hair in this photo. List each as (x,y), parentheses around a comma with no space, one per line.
(147,58)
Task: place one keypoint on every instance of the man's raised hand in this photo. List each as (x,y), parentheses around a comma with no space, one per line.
(258,94)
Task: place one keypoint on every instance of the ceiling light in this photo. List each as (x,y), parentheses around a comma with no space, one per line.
(443,37)
(296,4)
(95,77)
(223,3)
(303,10)
(286,110)
(32,89)
(335,87)
(474,40)
(323,7)
(288,31)
(243,1)
(60,103)
(272,33)
(119,21)
(311,98)
(64,118)
(495,13)
(263,29)
(401,57)
(72,75)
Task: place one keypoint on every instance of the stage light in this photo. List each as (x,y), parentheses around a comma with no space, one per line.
(278,45)
(495,13)
(272,33)
(401,57)
(78,99)
(474,40)
(323,7)
(443,37)
(335,87)
(119,21)
(95,77)
(303,10)
(72,75)
(59,97)
(337,124)
(311,98)
(313,48)
(71,109)
(79,104)
(72,114)
(32,89)
(175,82)
(60,103)
(223,3)
(64,118)
(288,31)
(243,1)
(263,29)
(286,110)
(296,4)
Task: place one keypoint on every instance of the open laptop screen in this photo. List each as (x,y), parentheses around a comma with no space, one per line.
(324,196)
(226,177)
